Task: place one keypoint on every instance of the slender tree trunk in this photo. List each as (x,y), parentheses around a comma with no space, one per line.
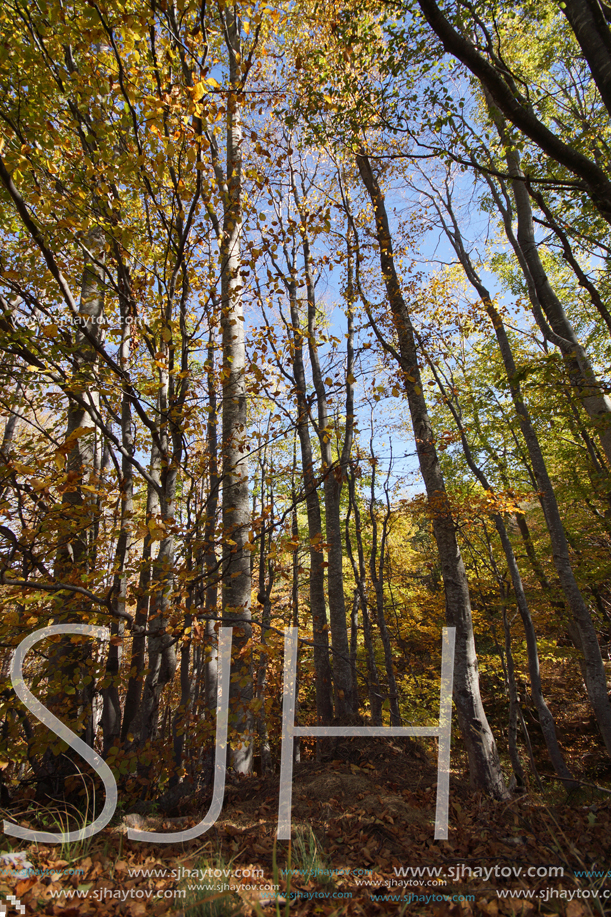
(591,29)
(138,653)
(111,713)
(180,721)
(210,558)
(320,630)
(333,477)
(512,730)
(236,590)
(8,441)
(378,568)
(266,583)
(295,590)
(162,661)
(373,685)
(354,637)
(543,296)
(546,720)
(594,670)
(484,763)
(70,695)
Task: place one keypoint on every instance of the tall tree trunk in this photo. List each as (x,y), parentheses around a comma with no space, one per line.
(590,25)
(8,441)
(236,590)
(295,589)
(543,296)
(180,722)
(333,477)
(111,713)
(210,558)
(135,682)
(546,720)
(594,670)
(377,567)
(512,729)
(320,630)
(484,763)
(266,583)
(359,570)
(162,661)
(71,686)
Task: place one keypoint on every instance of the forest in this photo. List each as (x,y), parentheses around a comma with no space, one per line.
(305,329)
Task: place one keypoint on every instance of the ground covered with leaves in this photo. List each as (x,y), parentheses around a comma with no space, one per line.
(363,844)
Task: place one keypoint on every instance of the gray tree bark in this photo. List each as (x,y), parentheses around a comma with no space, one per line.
(138,653)
(111,712)
(594,672)
(546,720)
(377,567)
(512,728)
(236,585)
(360,578)
(484,764)
(333,474)
(68,663)
(210,558)
(589,23)
(545,302)
(318,609)
(264,597)
(162,661)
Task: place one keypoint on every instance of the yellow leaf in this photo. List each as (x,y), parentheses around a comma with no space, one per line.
(24,469)
(212,82)
(156,529)
(49,331)
(197,92)
(80,431)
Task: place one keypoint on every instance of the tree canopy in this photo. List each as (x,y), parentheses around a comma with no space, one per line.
(305,322)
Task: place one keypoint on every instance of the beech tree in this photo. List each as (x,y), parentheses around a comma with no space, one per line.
(222,231)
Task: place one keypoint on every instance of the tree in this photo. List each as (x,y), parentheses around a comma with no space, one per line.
(484,762)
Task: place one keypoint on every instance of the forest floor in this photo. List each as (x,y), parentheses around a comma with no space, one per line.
(363,840)
(363,844)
